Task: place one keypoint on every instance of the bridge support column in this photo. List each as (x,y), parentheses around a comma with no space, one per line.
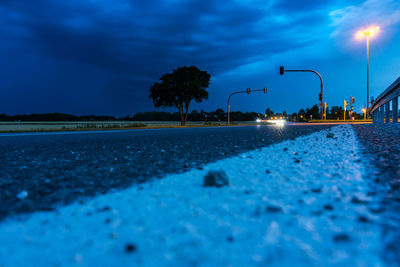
(383,114)
(380,115)
(387,112)
(395,109)
(374,118)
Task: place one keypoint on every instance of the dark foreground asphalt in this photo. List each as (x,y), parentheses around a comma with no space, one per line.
(381,145)
(39,172)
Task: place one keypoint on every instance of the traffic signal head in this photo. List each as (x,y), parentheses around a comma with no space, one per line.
(265,90)
(282,70)
(320,97)
(345,103)
(248,90)
(353,100)
(351,108)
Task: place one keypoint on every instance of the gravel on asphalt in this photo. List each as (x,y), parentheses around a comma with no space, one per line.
(316,212)
(381,145)
(40,172)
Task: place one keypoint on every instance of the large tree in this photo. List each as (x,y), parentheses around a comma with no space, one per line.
(179,88)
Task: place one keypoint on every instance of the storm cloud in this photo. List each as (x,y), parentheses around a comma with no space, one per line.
(102,56)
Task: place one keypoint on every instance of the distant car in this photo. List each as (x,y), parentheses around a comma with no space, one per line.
(271,121)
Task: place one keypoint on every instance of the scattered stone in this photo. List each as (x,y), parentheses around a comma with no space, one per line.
(216,179)
(22,195)
(317,213)
(316,190)
(357,200)
(106,208)
(377,210)
(297,160)
(230,239)
(285,149)
(330,135)
(267,171)
(273,209)
(363,219)
(130,248)
(328,207)
(341,237)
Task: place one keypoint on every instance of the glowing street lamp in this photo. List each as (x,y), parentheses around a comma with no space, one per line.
(365,113)
(367,33)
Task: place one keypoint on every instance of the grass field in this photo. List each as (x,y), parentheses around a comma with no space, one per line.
(10,127)
(6,127)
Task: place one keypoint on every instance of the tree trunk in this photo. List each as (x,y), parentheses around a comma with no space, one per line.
(186,112)
(182,116)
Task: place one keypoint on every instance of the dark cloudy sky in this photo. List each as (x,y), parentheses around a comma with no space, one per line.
(101,57)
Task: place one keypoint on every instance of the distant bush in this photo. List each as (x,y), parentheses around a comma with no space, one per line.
(134,125)
(108,126)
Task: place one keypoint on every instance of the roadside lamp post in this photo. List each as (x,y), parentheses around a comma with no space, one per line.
(321,94)
(370,32)
(344,110)
(241,92)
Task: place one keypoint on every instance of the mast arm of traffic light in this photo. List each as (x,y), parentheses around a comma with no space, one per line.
(316,72)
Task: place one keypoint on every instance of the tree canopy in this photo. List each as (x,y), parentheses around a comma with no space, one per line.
(179,88)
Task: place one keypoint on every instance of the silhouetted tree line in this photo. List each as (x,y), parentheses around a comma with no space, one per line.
(334,113)
(313,113)
(217,115)
(195,115)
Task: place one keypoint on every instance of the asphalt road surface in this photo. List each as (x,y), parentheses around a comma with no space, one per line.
(381,145)
(39,172)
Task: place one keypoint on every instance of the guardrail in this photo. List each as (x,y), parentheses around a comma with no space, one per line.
(380,108)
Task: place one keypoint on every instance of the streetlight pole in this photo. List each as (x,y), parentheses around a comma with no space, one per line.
(370,32)
(367,71)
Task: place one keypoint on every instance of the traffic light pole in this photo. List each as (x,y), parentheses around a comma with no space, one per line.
(321,94)
(241,92)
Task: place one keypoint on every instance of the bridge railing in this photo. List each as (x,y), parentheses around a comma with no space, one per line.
(380,108)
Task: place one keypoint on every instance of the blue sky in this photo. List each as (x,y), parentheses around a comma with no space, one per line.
(101,57)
